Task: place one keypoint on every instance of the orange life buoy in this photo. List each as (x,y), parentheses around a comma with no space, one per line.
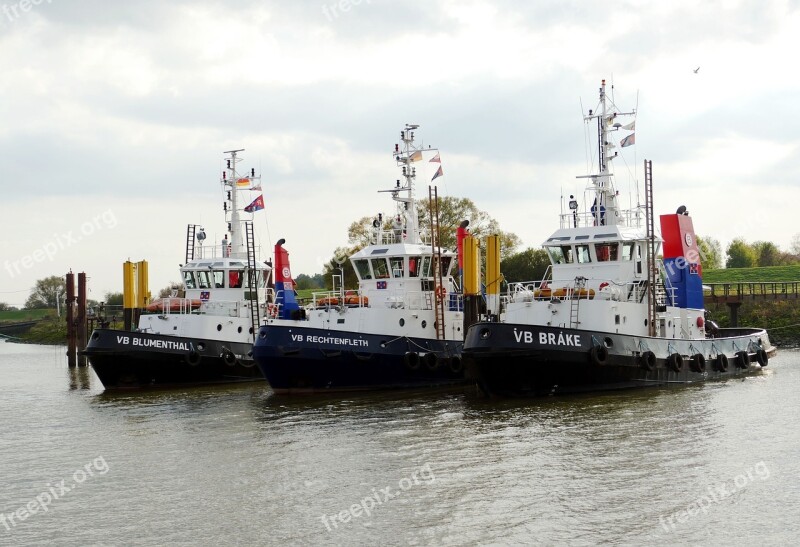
(441,292)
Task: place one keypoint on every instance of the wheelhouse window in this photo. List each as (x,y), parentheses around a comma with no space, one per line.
(627,251)
(446,262)
(204,279)
(188,280)
(414,265)
(606,252)
(362,268)
(235,278)
(426,266)
(219,279)
(396,263)
(381,268)
(561,255)
(582,254)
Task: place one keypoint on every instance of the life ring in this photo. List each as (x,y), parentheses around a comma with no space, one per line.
(675,362)
(742,359)
(411,360)
(599,355)
(272,310)
(441,292)
(602,286)
(456,366)
(762,358)
(722,363)
(192,358)
(648,360)
(229,358)
(431,361)
(698,363)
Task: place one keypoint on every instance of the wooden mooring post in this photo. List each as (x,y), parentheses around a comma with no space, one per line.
(76,319)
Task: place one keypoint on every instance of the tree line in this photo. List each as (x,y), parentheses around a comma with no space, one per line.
(527,265)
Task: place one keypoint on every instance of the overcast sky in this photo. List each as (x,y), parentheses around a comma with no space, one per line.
(113,118)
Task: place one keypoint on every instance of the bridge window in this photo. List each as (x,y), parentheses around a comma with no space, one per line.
(397,266)
(362,268)
(627,251)
(606,251)
(582,254)
(203,279)
(561,255)
(219,279)
(235,279)
(414,265)
(381,268)
(188,280)
(426,266)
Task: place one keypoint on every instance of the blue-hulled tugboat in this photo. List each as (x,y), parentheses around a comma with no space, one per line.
(402,327)
(609,314)
(205,334)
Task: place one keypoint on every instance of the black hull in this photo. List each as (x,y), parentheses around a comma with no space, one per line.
(502,365)
(135,360)
(329,361)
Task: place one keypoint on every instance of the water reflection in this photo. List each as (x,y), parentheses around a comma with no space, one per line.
(79,378)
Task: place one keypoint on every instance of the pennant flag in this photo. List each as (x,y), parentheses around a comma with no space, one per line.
(630,127)
(438,173)
(257,205)
(416,156)
(435,159)
(256,188)
(243,182)
(629,140)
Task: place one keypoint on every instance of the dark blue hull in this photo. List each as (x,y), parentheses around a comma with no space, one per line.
(124,360)
(307,360)
(532,361)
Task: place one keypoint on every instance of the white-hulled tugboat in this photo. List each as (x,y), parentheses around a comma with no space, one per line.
(204,336)
(402,328)
(608,315)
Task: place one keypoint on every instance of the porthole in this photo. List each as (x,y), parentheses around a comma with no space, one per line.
(219,327)
(424,323)
(402,321)
(485,333)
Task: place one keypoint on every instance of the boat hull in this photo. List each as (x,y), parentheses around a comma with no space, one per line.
(528,361)
(312,360)
(130,360)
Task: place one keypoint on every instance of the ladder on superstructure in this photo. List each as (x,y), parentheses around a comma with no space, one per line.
(436,251)
(575,302)
(651,248)
(252,277)
(190,234)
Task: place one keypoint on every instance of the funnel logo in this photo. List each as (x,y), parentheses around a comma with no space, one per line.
(286,273)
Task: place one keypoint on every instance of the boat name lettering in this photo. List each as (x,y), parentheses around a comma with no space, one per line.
(549,338)
(330,340)
(149,343)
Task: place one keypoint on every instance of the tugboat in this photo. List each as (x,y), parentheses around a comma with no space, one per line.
(402,327)
(205,335)
(608,314)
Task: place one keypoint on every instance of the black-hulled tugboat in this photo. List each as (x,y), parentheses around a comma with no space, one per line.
(402,328)
(609,314)
(205,334)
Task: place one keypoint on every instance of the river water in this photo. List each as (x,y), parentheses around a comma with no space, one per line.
(713,464)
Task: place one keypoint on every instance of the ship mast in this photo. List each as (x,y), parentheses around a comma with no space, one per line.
(230,182)
(408,224)
(605,208)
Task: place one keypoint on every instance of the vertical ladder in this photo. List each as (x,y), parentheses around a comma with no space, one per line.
(252,277)
(436,251)
(190,229)
(651,248)
(575,302)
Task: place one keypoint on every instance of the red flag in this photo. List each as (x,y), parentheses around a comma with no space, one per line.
(435,158)
(438,173)
(257,205)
